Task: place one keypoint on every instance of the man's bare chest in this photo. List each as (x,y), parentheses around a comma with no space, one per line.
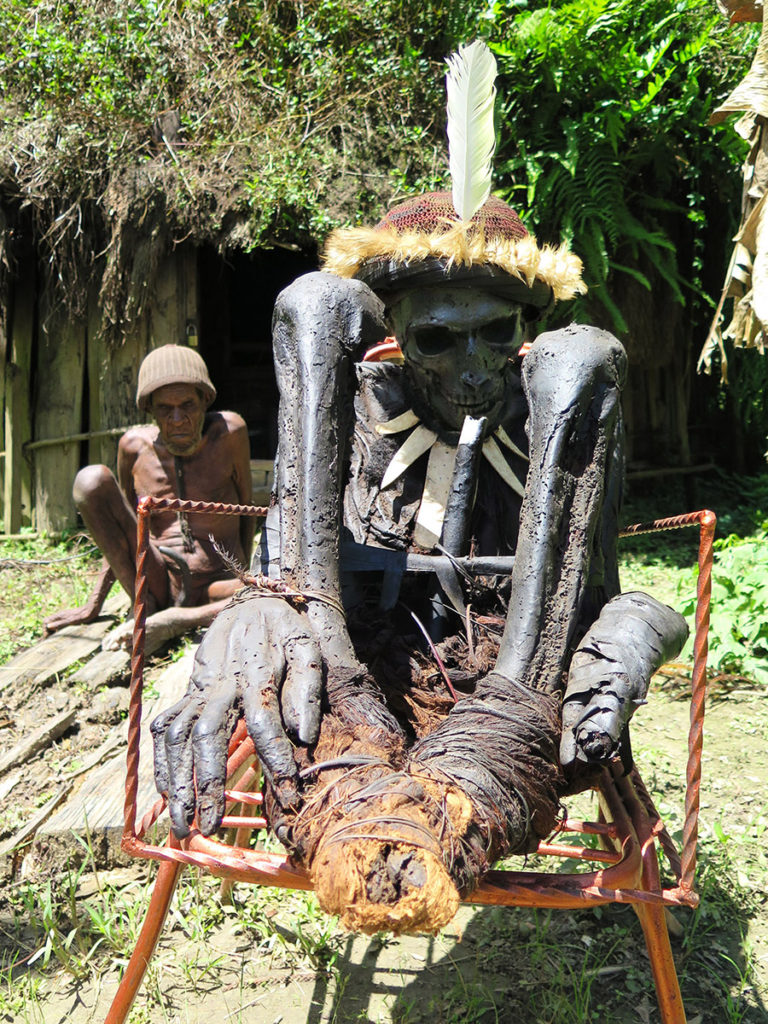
(207,476)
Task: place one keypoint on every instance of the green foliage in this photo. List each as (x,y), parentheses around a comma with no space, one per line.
(664,565)
(296,117)
(290,114)
(38,578)
(744,399)
(739,618)
(605,138)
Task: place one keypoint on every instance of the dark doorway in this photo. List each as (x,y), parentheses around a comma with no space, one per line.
(236,298)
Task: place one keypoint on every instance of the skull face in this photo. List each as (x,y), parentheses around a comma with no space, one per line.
(457,344)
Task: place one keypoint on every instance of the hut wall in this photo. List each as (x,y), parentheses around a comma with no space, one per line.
(69,393)
(112,373)
(21,321)
(656,401)
(57,413)
(656,396)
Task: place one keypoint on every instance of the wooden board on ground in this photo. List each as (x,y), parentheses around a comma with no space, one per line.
(38,665)
(106,668)
(96,810)
(35,741)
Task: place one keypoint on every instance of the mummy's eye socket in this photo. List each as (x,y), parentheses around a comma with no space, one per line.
(431,341)
(501,334)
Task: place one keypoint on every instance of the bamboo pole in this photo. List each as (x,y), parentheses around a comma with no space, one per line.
(87,435)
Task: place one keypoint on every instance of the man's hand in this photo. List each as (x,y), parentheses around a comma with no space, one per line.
(260,657)
(87,612)
(69,617)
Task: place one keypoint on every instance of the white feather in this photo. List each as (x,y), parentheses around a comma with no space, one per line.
(471,89)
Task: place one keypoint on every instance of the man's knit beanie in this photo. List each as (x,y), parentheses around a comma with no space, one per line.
(172,364)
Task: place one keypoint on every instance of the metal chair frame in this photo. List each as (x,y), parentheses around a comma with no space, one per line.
(629,828)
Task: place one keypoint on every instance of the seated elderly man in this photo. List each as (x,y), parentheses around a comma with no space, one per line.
(189,453)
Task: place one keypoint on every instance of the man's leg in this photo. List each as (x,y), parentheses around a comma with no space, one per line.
(112,524)
(220,589)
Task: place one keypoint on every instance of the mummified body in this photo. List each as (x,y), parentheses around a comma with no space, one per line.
(466,451)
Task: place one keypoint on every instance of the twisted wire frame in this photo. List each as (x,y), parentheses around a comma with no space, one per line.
(628,830)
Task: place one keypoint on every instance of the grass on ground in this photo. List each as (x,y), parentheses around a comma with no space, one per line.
(272,955)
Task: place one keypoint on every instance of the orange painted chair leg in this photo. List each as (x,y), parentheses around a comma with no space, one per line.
(654,924)
(165,884)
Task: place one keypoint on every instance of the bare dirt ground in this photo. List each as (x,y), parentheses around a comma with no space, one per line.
(274,957)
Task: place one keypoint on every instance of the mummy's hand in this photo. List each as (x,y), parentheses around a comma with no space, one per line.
(261,658)
(611,670)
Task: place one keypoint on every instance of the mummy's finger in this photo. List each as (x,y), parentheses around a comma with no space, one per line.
(262,716)
(210,740)
(178,751)
(302,691)
(158,729)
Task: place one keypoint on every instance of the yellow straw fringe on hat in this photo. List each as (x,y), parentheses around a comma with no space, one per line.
(347,249)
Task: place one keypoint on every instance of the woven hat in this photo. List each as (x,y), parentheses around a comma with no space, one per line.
(466,236)
(172,364)
(423,241)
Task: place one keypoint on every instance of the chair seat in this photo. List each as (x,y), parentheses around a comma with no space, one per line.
(624,868)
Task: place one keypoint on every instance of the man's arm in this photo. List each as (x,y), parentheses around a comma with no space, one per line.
(90,610)
(127,453)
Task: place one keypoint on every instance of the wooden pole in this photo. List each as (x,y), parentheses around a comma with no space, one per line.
(5,290)
(17,487)
(58,411)
(14,460)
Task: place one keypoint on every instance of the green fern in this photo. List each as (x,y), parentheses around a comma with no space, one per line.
(611,100)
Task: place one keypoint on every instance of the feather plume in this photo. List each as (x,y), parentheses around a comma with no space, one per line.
(471,89)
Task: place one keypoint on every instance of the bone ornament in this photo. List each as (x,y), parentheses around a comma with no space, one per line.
(442,458)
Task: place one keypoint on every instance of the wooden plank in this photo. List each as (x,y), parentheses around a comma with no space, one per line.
(262,478)
(28,830)
(106,668)
(58,412)
(165,326)
(113,371)
(38,665)
(5,305)
(8,785)
(100,449)
(17,419)
(187,292)
(14,464)
(29,745)
(97,807)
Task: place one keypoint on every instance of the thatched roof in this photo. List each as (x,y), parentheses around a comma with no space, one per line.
(129,126)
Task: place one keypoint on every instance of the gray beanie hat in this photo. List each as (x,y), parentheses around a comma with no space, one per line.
(172,364)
